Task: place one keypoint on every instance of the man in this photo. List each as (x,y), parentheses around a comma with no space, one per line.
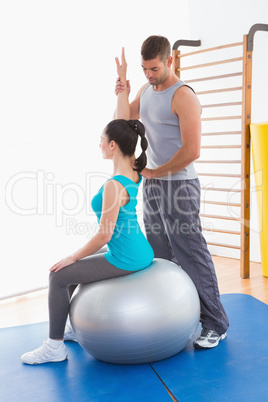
(170,111)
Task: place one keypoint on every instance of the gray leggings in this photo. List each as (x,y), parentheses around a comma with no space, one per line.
(62,283)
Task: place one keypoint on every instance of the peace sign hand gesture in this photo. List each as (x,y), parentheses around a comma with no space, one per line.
(122,68)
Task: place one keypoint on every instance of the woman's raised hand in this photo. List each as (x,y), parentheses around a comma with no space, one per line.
(122,89)
(121,68)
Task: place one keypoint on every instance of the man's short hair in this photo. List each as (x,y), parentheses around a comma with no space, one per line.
(155,46)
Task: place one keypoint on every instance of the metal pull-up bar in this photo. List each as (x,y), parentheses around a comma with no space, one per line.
(251,33)
(185,42)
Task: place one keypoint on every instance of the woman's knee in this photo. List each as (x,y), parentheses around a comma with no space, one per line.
(57,278)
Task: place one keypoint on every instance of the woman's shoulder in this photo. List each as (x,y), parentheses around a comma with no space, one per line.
(112,185)
(134,179)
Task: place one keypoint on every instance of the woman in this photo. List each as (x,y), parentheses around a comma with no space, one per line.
(115,207)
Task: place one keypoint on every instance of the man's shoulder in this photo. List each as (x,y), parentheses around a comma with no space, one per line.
(184,91)
(143,89)
(184,95)
(184,88)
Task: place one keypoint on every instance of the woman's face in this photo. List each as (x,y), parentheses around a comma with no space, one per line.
(105,146)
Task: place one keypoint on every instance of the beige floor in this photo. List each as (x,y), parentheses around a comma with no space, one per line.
(228,272)
(33,308)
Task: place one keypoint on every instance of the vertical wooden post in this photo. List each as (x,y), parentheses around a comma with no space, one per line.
(245,161)
(176,62)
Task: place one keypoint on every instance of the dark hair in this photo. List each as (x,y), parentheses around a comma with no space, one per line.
(125,133)
(155,46)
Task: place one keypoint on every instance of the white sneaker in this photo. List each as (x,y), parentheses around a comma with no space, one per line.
(69,334)
(45,354)
(208,339)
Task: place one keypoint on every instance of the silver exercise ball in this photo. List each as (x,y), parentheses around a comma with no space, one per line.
(143,317)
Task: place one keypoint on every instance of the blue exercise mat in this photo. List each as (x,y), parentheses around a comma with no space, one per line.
(80,378)
(236,370)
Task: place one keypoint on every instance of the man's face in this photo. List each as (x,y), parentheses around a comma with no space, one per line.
(155,70)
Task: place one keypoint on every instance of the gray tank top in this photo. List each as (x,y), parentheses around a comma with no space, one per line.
(163,129)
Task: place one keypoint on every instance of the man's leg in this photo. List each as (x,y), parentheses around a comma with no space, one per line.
(154,226)
(183,228)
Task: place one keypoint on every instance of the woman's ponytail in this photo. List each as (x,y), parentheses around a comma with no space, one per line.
(141,161)
(125,133)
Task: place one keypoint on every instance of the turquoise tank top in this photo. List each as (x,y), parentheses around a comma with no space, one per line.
(128,248)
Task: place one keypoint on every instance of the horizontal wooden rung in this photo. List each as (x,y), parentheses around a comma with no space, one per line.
(215,91)
(232,232)
(210,49)
(228,190)
(228,218)
(227,204)
(213,63)
(219,175)
(224,245)
(218,161)
(214,77)
(221,118)
(222,104)
(223,133)
(220,146)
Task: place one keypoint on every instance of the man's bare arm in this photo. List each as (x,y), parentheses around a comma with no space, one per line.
(134,106)
(123,106)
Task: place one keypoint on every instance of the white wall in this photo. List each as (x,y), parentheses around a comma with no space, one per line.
(57,75)
(218,23)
